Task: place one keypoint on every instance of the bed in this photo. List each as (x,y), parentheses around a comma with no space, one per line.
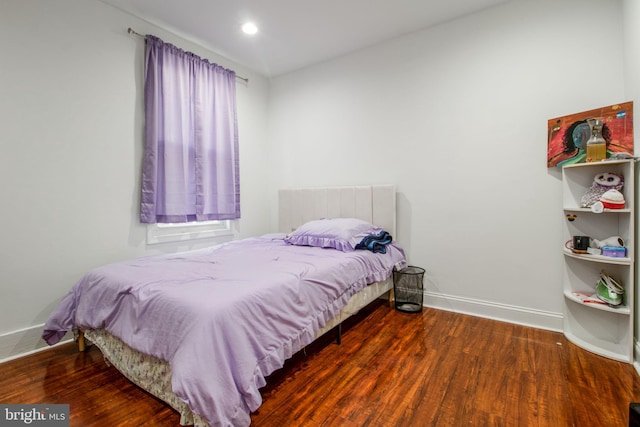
(202,329)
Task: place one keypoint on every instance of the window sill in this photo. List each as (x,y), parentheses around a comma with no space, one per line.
(166,233)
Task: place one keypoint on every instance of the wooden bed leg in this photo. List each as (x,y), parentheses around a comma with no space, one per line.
(81,343)
(391,298)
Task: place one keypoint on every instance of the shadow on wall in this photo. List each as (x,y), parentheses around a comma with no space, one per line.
(403,223)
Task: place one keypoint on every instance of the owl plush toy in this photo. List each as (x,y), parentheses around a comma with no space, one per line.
(602,183)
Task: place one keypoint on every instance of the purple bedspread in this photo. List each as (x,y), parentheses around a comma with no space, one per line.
(223,317)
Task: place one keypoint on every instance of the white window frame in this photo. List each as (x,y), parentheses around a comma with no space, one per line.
(177,232)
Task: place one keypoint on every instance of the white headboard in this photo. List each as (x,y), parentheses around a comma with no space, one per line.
(373,203)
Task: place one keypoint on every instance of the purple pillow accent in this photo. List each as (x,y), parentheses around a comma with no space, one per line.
(342,234)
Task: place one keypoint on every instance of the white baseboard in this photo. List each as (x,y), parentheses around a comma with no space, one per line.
(491,310)
(26,341)
(23,342)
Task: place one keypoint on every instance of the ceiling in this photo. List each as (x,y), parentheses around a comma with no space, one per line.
(294,33)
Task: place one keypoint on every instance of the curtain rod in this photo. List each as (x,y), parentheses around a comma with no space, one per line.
(132,32)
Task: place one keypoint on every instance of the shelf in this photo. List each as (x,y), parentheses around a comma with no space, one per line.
(621,309)
(600,163)
(574,209)
(599,348)
(597,258)
(600,328)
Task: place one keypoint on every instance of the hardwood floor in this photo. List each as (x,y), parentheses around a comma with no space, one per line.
(434,368)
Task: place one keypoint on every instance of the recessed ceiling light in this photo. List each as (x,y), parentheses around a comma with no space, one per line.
(249,28)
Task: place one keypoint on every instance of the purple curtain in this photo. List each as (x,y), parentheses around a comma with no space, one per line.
(190,168)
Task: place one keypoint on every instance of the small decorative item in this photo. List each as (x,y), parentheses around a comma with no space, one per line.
(612,199)
(568,135)
(596,145)
(602,183)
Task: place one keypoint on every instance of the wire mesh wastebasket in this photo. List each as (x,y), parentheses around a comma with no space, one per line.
(407,289)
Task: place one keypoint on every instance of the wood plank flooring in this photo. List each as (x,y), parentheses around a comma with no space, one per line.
(434,368)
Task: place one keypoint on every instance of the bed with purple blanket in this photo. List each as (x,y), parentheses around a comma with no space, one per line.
(202,329)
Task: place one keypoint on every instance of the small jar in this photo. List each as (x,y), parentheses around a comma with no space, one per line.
(596,145)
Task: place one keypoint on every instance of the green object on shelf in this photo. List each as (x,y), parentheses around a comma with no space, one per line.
(608,290)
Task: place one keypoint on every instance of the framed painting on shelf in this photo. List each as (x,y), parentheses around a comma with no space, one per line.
(568,135)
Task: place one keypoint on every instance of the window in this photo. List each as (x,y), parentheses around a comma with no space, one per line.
(190,166)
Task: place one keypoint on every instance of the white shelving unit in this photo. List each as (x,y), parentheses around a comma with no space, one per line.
(601,329)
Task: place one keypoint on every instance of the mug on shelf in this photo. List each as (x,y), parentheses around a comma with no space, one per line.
(581,243)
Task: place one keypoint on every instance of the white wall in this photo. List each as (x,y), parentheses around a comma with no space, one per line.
(456,116)
(71,137)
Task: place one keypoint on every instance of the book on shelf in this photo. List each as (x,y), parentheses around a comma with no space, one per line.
(588,297)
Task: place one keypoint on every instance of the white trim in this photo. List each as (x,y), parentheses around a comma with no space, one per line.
(503,312)
(636,364)
(165,233)
(27,341)
(23,342)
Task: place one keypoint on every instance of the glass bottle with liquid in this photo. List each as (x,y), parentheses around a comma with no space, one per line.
(596,145)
